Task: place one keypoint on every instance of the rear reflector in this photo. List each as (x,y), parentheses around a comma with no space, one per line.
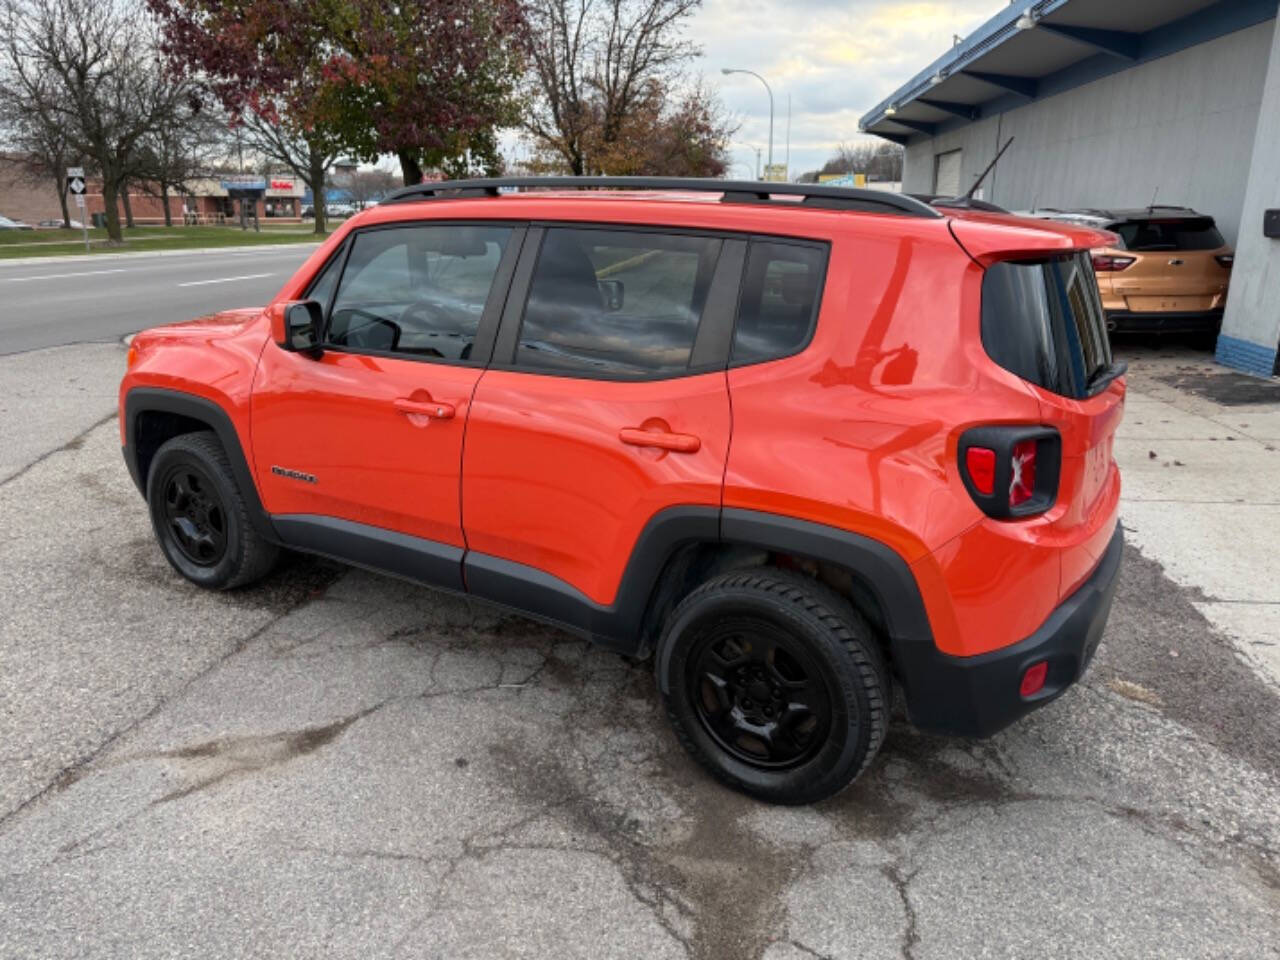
(1033,679)
(1106,263)
(981,464)
(1022,477)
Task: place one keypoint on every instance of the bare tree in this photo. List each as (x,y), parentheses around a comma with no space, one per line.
(369,186)
(43,152)
(308,153)
(182,146)
(879,160)
(89,67)
(593,64)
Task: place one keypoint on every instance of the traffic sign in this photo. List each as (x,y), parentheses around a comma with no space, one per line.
(75,183)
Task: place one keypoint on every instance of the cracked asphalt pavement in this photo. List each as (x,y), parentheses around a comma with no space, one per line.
(338,764)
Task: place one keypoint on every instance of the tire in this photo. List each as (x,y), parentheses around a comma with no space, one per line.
(204,532)
(743,631)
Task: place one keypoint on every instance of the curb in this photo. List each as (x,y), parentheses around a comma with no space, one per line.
(193,251)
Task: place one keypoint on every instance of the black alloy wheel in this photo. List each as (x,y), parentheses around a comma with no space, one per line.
(195,515)
(759,694)
(774,683)
(201,519)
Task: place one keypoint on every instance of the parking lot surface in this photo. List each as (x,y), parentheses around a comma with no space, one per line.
(338,764)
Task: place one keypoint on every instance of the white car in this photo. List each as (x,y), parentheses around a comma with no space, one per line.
(7,224)
(55,224)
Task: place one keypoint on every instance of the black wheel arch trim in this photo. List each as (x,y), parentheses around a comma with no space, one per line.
(140,400)
(618,626)
(877,565)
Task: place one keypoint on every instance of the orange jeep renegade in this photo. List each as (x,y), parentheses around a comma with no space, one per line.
(800,443)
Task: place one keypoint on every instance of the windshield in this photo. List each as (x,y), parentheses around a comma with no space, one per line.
(1043,320)
(1170,233)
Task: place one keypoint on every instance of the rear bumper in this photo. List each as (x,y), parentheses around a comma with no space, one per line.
(977,696)
(1200,321)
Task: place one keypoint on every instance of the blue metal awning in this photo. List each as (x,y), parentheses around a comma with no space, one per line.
(1037,48)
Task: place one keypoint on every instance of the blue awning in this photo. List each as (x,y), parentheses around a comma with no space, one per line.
(1033,49)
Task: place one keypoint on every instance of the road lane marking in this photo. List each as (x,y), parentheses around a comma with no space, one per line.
(247,276)
(63,276)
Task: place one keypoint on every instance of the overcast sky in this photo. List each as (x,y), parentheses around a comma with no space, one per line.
(835,59)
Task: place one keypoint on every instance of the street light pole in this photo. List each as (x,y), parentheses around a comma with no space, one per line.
(727,70)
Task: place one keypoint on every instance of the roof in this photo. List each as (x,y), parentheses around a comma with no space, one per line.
(807,195)
(986,236)
(1033,49)
(1158,211)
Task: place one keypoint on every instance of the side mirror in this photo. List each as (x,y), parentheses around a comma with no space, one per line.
(297,326)
(613,293)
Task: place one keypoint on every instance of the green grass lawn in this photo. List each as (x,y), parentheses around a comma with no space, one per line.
(51,243)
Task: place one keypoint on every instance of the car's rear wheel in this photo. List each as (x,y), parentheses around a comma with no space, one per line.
(200,518)
(775,684)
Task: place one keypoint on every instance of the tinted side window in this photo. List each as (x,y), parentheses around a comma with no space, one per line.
(417,290)
(616,303)
(781,288)
(322,287)
(1042,320)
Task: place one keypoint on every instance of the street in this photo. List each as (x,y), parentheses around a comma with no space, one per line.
(58,301)
(333,763)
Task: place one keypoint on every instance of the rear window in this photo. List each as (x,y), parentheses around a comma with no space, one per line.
(779,300)
(1172,233)
(1042,320)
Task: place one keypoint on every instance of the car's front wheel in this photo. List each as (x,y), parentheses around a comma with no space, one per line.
(775,684)
(200,519)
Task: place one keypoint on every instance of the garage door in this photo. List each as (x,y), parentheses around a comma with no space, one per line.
(946,174)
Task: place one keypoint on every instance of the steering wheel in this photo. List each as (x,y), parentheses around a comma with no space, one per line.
(368,333)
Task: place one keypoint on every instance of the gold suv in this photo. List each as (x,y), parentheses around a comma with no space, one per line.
(1168,273)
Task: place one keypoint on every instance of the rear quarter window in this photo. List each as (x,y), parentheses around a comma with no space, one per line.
(1042,320)
(781,290)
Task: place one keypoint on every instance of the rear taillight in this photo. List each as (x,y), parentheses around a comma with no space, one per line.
(1225,259)
(1022,473)
(1108,263)
(981,464)
(1011,471)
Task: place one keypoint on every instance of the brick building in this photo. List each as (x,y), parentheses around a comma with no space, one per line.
(274,197)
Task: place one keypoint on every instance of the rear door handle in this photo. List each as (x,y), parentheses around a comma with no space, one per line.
(426,408)
(676,442)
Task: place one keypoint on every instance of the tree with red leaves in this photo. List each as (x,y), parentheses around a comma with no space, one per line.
(431,80)
(314,78)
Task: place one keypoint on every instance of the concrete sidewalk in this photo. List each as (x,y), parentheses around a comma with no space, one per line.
(1199,451)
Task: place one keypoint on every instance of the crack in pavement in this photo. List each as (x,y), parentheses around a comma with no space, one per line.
(73,444)
(910,935)
(72,771)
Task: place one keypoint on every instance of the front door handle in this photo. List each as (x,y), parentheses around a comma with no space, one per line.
(426,408)
(676,442)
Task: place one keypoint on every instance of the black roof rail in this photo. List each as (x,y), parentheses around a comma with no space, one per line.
(732,191)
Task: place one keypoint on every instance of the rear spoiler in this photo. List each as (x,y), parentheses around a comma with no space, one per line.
(989,238)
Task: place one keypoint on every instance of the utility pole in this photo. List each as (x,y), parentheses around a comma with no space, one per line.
(787,162)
